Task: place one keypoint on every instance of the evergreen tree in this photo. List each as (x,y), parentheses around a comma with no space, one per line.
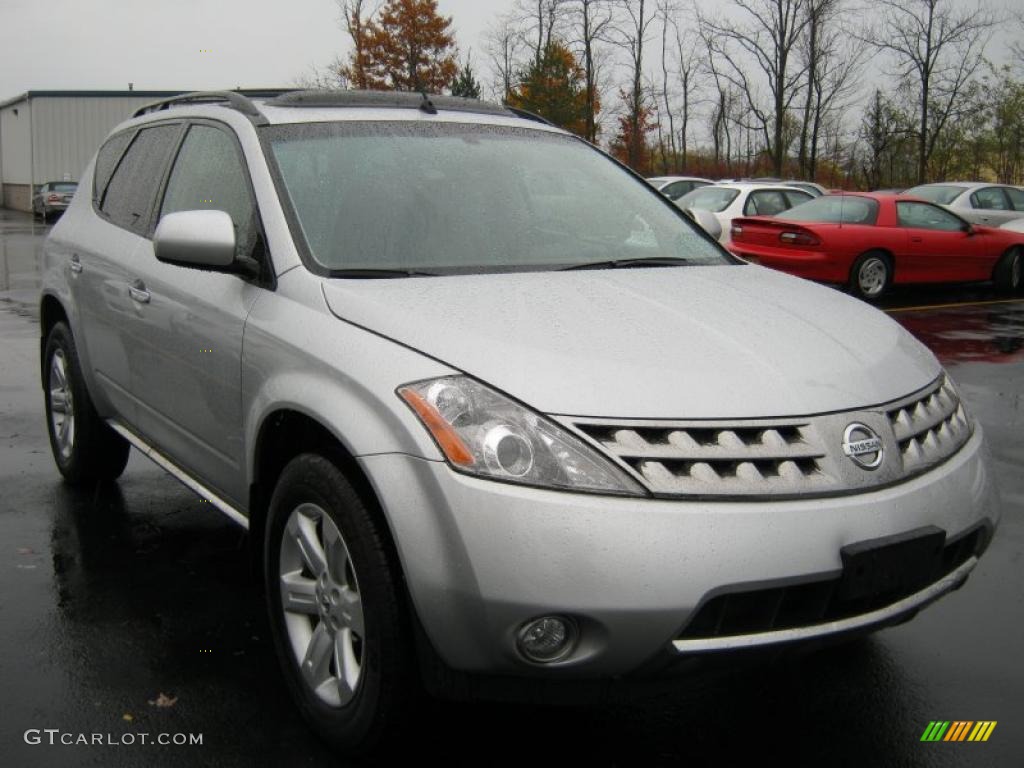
(466,84)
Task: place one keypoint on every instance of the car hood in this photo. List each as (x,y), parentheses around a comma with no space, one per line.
(678,342)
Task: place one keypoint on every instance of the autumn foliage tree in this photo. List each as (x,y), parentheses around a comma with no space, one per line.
(406,46)
(630,144)
(554,87)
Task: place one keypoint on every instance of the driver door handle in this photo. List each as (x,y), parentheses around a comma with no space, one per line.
(915,239)
(137,290)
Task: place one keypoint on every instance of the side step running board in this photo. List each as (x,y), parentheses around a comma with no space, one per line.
(164,463)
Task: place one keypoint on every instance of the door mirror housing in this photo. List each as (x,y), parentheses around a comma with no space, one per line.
(967,227)
(197,239)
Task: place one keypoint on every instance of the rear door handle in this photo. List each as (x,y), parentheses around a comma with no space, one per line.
(138,292)
(76,263)
(915,239)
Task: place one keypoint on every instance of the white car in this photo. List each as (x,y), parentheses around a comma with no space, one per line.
(674,187)
(981,203)
(729,201)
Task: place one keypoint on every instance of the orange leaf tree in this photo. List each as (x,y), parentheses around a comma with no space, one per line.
(554,87)
(630,145)
(409,46)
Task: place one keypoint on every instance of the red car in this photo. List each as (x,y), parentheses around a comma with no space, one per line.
(870,241)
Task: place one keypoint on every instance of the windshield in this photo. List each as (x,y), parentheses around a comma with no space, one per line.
(448,197)
(943,194)
(846,209)
(714,199)
(64,186)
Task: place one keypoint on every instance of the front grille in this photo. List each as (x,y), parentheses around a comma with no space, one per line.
(930,428)
(807,604)
(782,457)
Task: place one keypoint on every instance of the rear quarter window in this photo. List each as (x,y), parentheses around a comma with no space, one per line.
(106,161)
(129,196)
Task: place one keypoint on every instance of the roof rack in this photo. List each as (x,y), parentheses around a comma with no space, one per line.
(386,100)
(237,100)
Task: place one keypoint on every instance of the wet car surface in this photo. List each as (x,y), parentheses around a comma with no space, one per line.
(111,597)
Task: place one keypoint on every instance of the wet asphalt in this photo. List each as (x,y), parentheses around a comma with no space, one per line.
(113,596)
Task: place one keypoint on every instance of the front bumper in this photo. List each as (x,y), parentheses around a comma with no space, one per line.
(482,557)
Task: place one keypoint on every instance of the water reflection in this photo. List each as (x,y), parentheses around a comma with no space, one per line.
(21,248)
(992,333)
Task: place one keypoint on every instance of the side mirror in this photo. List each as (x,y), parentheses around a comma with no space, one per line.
(197,239)
(967,228)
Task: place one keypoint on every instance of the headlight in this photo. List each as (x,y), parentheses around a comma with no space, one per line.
(482,432)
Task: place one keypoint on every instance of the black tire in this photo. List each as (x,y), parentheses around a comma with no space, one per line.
(1007,275)
(94,452)
(871,275)
(368,723)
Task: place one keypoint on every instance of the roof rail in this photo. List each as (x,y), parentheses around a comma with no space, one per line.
(526,114)
(237,100)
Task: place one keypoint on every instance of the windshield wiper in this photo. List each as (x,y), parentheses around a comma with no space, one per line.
(380,273)
(647,261)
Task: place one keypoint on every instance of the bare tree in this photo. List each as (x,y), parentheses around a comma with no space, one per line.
(831,62)
(937,50)
(759,48)
(688,63)
(538,21)
(502,44)
(632,30)
(590,20)
(666,11)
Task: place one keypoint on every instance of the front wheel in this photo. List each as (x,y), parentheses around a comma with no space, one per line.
(1007,274)
(84,447)
(337,608)
(870,275)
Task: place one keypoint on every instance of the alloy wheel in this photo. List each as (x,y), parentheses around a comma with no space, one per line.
(872,276)
(323,609)
(62,412)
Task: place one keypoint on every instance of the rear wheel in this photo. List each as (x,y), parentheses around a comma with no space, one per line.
(871,275)
(337,608)
(84,447)
(1008,272)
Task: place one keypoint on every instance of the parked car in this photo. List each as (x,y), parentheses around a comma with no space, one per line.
(870,241)
(483,442)
(52,197)
(727,201)
(674,187)
(978,202)
(812,188)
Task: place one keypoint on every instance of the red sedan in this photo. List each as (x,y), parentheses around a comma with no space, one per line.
(870,241)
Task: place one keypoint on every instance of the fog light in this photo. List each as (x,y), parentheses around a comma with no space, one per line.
(546,639)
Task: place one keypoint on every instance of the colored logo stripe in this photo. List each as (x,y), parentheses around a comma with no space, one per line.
(958,730)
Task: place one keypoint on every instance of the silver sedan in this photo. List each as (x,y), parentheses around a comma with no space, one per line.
(981,203)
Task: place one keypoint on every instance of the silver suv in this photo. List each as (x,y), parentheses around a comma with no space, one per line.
(496,414)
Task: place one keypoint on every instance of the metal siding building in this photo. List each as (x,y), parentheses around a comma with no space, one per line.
(52,135)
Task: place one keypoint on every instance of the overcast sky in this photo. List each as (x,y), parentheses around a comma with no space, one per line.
(175,44)
(200,44)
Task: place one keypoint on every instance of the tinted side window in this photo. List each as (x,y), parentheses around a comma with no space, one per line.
(675,191)
(795,198)
(106,161)
(925,216)
(1016,197)
(990,198)
(209,175)
(132,188)
(766,202)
